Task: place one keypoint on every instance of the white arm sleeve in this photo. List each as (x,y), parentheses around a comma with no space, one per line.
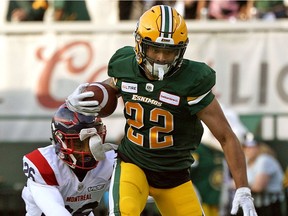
(48,199)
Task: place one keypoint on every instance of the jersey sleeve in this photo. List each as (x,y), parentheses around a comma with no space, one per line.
(122,63)
(200,94)
(47,198)
(37,168)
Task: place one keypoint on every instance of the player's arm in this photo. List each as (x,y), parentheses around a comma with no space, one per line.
(48,199)
(215,120)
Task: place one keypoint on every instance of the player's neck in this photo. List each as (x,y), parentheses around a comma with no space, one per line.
(80,173)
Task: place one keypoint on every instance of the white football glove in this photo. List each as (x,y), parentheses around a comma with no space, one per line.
(244,200)
(96,146)
(98,149)
(75,102)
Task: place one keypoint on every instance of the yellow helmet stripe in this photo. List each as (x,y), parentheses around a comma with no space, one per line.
(166,21)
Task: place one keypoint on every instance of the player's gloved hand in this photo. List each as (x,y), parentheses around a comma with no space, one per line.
(244,200)
(98,149)
(96,146)
(75,101)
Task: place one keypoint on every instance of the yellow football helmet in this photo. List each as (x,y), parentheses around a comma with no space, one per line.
(161,27)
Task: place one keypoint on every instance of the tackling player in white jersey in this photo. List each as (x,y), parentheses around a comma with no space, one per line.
(70,176)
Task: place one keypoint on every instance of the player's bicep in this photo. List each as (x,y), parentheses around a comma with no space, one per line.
(46,196)
(214,118)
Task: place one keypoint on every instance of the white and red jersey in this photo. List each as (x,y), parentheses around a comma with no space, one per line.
(44,169)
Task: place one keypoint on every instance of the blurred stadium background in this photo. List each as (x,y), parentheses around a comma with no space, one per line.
(41,63)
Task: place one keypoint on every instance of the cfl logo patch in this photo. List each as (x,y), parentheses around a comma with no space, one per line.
(149,87)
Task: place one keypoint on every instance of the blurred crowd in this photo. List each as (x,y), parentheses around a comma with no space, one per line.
(266,177)
(81,10)
(211,9)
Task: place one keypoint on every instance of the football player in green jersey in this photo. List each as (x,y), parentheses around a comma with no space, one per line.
(165,97)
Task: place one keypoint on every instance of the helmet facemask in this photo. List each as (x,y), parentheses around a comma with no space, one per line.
(158,69)
(72,151)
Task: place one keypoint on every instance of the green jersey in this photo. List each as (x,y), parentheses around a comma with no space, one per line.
(207,175)
(161,124)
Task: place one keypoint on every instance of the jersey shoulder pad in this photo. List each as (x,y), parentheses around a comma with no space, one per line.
(122,63)
(38,168)
(202,77)
(197,80)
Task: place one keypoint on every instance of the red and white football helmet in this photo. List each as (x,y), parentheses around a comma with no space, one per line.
(71,132)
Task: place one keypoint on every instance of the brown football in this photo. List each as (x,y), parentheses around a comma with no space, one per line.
(105,95)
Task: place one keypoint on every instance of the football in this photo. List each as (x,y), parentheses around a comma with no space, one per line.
(105,95)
